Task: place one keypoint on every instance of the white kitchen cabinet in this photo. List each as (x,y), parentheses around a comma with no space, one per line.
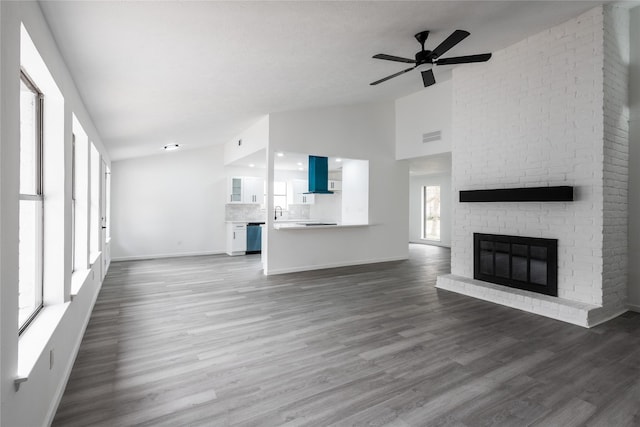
(246,189)
(307,199)
(335,185)
(235,190)
(253,190)
(298,189)
(236,238)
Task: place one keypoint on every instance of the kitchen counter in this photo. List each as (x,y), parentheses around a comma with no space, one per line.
(312,225)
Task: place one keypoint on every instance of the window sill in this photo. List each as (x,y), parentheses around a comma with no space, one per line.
(93,258)
(33,342)
(78,278)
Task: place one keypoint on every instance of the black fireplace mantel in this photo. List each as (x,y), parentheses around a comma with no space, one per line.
(524,194)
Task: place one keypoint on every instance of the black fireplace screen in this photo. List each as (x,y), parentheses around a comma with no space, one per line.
(519,262)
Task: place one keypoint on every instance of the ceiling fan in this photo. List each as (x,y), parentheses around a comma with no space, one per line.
(432,57)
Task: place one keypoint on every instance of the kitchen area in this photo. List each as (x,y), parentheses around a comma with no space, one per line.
(307,193)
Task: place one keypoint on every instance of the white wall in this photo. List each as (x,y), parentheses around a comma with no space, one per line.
(534,115)
(415,207)
(253,139)
(170,204)
(634,161)
(355,190)
(366,132)
(35,402)
(428,110)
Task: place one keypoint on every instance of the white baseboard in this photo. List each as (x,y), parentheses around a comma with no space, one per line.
(174,255)
(429,243)
(270,272)
(634,307)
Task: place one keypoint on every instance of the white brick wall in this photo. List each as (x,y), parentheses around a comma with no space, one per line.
(533,116)
(616,155)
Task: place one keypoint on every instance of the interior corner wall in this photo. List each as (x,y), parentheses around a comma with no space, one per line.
(633,288)
(364,132)
(35,402)
(170,204)
(533,116)
(415,208)
(428,110)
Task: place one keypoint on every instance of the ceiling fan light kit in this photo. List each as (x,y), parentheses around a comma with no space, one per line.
(431,57)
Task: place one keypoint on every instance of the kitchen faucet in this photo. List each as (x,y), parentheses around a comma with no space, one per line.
(276,212)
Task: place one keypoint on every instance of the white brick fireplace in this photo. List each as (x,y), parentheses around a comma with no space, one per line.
(549,111)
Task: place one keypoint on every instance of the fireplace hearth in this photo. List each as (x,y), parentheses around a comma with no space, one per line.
(519,262)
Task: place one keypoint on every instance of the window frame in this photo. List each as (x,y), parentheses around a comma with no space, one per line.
(73,202)
(95,218)
(425,213)
(285,195)
(37,198)
(107,201)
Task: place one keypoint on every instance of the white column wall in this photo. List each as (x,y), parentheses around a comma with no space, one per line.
(365,132)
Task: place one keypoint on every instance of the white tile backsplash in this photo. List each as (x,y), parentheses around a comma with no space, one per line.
(253,212)
(242,212)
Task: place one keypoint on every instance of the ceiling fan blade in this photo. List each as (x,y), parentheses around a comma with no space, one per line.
(483,57)
(391,76)
(428,78)
(456,37)
(394,58)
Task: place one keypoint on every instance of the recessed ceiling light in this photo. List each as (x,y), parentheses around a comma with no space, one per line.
(338,160)
(300,169)
(252,165)
(171,147)
(280,154)
(299,164)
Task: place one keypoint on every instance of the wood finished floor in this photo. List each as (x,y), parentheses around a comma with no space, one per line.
(210,341)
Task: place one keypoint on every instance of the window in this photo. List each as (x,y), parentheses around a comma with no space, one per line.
(280,194)
(94,219)
(431,213)
(107,213)
(73,201)
(80,192)
(30,226)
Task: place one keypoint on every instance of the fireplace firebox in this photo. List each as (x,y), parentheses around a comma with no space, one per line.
(527,263)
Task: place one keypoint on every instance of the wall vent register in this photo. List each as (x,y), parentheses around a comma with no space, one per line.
(431,136)
(526,263)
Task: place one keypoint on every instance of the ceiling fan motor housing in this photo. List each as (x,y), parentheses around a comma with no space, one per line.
(422,57)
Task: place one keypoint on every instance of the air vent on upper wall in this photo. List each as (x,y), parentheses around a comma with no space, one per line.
(431,136)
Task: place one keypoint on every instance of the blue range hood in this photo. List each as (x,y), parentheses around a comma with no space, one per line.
(319,175)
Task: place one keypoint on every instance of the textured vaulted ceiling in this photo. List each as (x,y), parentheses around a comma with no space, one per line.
(197,73)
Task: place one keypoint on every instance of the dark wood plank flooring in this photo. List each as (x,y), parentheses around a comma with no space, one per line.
(210,341)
